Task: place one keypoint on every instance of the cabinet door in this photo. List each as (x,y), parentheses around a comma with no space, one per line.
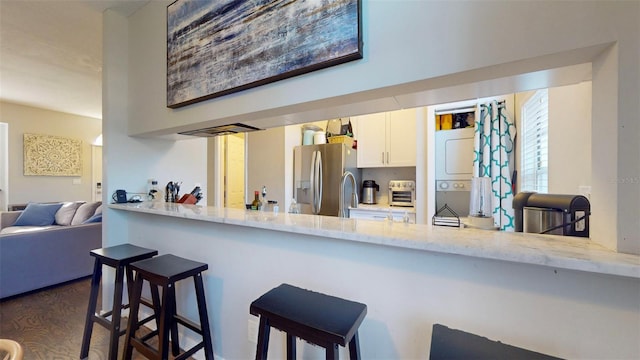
(371,140)
(381,215)
(367,214)
(401,138)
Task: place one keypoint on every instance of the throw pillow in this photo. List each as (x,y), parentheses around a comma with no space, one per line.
(65,214)
(98,210)
(38,215)
(84,212)
(94,219)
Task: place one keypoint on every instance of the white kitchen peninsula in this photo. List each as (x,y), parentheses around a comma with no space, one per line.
(545,293)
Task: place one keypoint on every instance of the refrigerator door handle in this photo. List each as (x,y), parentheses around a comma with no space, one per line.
(312,178)
(319,181)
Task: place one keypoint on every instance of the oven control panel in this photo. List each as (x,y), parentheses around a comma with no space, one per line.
(402,185)
(453,185)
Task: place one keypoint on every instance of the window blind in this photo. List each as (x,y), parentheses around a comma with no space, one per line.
(535,143)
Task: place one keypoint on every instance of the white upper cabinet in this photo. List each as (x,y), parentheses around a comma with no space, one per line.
(371,136)
(386,139)
(401,138)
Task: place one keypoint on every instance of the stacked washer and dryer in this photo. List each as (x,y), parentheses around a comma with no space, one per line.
(454,164)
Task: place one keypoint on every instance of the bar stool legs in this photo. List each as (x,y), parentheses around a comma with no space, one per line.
(164,271)
(93,301)
(202,313)
(118,257)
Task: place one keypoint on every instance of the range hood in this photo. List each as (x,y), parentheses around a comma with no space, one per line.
(220,130)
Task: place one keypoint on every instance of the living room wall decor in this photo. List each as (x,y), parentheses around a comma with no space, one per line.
(216,48)
(47,155)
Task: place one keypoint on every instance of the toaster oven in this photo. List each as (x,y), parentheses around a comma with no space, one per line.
(402,193)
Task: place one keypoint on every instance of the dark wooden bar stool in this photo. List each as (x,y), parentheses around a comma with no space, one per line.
(165,271)
(447,344)
(118,257)
(320,319)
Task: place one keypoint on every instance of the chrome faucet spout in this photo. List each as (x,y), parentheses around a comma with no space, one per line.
(354,193)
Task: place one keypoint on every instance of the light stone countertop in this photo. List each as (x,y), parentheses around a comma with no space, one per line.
(385,207)
(563,252)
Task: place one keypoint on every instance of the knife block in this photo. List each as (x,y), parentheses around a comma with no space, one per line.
(188,199)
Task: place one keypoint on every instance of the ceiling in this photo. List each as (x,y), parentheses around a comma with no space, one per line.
(51,53)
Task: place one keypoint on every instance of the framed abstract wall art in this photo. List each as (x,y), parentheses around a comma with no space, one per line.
(219,47)
(47,155)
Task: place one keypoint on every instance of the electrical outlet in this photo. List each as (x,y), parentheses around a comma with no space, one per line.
(252,329)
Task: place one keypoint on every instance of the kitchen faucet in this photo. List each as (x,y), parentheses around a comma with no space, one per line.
(354,193)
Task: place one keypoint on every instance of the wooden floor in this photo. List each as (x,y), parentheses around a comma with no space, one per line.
(49,323)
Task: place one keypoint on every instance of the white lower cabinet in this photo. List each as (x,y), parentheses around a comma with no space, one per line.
(381,214)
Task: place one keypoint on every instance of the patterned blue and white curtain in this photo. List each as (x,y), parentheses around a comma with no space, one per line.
(494,151)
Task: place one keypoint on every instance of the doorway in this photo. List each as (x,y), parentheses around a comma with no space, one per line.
(4,166)
(234,154)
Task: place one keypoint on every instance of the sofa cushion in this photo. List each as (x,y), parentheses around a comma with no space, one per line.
(84,212)
(38,215)
(25,229)
(94,219)
(65,214)
(98,210)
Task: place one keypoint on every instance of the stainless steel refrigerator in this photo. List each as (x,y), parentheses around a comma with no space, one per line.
(318,170)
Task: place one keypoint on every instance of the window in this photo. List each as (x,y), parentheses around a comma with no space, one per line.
(535,148)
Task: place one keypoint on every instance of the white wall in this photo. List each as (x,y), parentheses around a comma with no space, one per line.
(4,166)
(530,37)
(270,162)
(265,165)
(570,138)
(129,162)
(25,119)
(570,314)
(293,138)
(393,62)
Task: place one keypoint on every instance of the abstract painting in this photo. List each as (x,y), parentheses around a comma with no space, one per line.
(219,47)
(46,155)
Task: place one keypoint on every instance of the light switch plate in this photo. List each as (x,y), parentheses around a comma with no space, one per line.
(77,181)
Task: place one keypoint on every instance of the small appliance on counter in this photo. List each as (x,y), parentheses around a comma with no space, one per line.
(480,205)
(402,193)
(369,192)
(552,214)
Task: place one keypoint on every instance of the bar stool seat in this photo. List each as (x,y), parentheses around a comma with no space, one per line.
(165,271)
(118,257)
(320,319)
